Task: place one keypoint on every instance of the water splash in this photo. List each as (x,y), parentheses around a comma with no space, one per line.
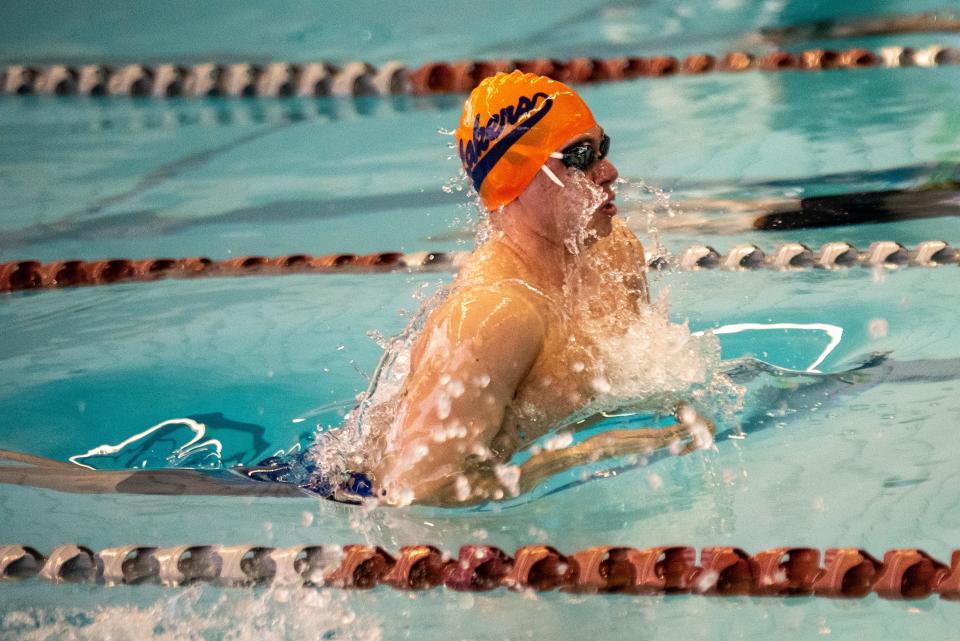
(348,447)
(456,184)
(656,364)
(653,203)
(582,234)
(202,613)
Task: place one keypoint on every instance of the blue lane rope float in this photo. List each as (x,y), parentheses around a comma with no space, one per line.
(34,275)
(280,79)
(721,571)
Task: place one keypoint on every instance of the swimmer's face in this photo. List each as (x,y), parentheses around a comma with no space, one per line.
(579,212)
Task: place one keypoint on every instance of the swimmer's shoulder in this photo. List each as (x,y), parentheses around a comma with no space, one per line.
(622,234)
(622,247)
(496,271)
(625,251)
(490,319)
(503,298)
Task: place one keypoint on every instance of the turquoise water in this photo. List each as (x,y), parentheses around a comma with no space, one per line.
(302,30)
(263,360)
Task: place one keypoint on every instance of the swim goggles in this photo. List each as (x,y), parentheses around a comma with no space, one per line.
(580,155)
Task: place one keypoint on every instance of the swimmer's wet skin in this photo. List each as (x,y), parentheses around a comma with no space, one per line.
(509,354)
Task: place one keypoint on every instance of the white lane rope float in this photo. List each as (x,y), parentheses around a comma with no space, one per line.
(358,78)
(788,257)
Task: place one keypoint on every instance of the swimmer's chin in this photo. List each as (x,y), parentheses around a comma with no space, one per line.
(602,225)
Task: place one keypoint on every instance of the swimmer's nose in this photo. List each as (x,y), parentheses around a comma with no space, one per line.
(605,172)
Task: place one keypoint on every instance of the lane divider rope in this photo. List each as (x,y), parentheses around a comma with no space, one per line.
(722,571)
(280,79)
(33,275)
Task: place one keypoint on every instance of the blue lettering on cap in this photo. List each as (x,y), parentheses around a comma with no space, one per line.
(478,167)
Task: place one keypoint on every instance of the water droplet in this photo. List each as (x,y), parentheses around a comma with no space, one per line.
(377,337)
(419,452)
(443,406)
(600,385)
(558,442)
(462,488)
(877,328)
(509,477)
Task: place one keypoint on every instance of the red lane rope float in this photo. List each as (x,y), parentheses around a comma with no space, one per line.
(841,573)
(33,275)
(280,79)
(29,274)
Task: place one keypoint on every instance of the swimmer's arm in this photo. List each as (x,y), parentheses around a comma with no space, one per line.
(487,480)
(628,442)
(475,355)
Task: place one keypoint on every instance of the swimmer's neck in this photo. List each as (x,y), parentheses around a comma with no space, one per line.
(549,262)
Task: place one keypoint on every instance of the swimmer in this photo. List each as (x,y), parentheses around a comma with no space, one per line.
(509,355)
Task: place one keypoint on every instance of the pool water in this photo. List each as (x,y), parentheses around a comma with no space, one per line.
(865,462)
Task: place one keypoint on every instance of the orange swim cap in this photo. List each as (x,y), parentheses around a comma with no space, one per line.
(511,124)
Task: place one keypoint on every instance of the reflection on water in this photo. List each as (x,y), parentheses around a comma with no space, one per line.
(200,453)
(835,333)
(196,443)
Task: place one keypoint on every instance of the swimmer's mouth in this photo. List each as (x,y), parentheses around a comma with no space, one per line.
(609,207)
